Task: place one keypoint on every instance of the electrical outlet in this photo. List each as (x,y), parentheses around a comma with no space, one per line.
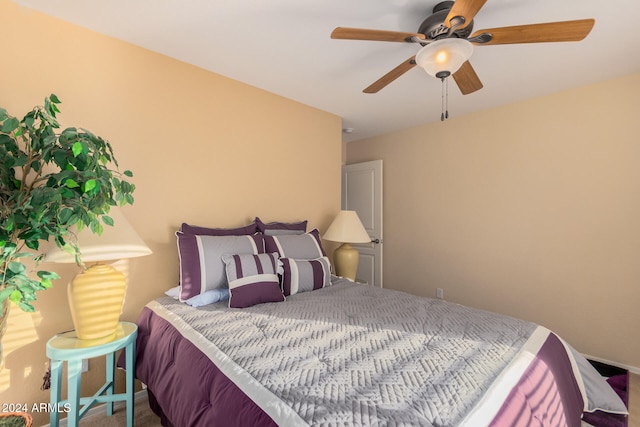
(439,293)
(85,365)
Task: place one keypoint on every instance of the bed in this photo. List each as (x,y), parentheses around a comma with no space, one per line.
(325,351)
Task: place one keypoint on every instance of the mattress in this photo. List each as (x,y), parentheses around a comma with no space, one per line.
(357,355)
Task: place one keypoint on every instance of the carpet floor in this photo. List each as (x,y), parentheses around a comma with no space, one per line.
(143,416)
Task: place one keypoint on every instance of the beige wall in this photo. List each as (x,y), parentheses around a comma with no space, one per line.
(204,149)
(532,210)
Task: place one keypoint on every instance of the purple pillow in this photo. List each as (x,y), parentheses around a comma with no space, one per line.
(298,246)
(303,275)
(275,228)
(201,266)
(252,279)
(204,231)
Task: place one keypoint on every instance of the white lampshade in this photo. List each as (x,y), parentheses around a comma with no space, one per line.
(116,242)
(347,228)
(444,57)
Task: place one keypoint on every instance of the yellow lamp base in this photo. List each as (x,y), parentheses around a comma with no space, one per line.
(96,297)
(345,260)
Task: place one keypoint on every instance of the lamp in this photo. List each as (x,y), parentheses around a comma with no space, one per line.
(346,228)
(444,57)
(96,295)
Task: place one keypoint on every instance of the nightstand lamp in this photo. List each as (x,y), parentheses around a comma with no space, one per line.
(346,228)
(96,295)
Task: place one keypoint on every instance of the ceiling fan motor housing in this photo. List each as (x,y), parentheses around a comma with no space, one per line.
(433,27)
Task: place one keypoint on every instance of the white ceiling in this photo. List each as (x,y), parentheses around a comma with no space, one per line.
(283,46)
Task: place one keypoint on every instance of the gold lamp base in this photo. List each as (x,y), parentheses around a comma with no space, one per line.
(96,297)
(345,260)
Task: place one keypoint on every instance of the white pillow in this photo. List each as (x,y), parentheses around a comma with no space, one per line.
(173,292)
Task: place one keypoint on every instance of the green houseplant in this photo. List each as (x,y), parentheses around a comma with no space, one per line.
(50,180)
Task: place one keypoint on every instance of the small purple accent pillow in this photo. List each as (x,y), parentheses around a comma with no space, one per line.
(298,246)
(252,279)
(276,228)
(305,275)
(201,266)
(205,231)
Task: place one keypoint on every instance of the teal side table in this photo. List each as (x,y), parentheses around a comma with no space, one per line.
(66,347)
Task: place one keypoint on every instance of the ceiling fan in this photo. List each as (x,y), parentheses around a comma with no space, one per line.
(447,42)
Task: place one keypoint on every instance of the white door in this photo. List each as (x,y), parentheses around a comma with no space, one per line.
(362,192)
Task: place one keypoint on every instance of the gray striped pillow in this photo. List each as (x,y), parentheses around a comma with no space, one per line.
(303,275)
(298,246)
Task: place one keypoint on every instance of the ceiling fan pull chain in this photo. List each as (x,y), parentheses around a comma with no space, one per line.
(442,101)
(446,111)
(445,99)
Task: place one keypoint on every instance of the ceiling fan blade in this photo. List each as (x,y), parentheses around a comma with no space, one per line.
(467,79)
(565,31)
(391,75)
(375,35)
(466,9)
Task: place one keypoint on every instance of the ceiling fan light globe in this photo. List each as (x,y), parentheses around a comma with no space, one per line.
(446,55)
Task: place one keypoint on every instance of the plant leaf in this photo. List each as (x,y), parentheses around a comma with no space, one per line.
(89,185)
(10,124)
(26,307)
(77,149)
(4,294)
(49,275)
(17,267)
(15,296)
(70,183)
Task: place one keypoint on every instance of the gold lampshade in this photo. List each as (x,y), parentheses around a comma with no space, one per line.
(346,228)
(96,295)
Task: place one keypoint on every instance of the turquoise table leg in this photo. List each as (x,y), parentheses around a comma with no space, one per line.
(56,382)
(111,367)
(130,356)
(74,371)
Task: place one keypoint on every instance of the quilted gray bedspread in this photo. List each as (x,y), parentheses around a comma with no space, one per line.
(355,355)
